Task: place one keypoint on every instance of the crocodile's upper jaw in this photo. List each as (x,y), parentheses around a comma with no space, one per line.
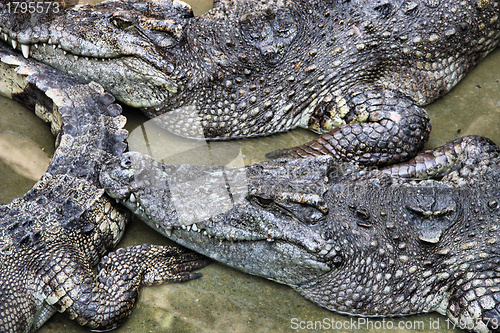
(131,62)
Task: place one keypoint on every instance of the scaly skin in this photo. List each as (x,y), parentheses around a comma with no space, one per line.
(250,68)
(357,241)
(52,236)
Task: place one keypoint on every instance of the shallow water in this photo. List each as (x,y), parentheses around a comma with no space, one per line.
(224,299)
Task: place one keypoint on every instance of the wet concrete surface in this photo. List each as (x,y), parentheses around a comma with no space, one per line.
(224,299)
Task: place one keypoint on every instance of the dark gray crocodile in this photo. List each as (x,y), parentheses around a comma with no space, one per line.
(52,236)
(356,241)
(358,70)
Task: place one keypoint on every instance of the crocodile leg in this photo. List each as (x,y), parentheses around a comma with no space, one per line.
(383,127)
(105,303)
(440,161)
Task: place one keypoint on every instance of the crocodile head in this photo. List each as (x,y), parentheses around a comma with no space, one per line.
(282,220)
(156,56)
(124,45)
(228,215)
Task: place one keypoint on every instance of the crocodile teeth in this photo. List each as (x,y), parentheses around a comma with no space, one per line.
(194,227)
(14,44)
(54,46)
(26,50)
(168,231)
(132,198)
(36,46)
(107,207)
(5,36)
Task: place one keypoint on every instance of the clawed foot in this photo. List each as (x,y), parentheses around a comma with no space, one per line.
(155,264)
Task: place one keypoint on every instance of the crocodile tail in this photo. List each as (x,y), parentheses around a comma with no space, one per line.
(438,162)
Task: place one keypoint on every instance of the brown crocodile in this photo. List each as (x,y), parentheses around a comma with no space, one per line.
(247,68)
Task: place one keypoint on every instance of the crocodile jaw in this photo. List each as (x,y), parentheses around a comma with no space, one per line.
(223,223)
(122,45)
(141,84)
(268,253)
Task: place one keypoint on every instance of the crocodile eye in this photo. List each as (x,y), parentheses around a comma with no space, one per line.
(285,29)
(121,22)
(363,214)
(264,202)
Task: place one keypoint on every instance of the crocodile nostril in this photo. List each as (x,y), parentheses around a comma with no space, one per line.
(126,162)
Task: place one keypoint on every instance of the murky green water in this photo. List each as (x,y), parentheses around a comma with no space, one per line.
(226,300)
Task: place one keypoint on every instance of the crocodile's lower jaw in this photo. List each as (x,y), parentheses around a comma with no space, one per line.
(227,252)
(202,238)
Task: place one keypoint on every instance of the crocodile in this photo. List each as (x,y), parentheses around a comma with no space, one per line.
(355,71)
(52,236)
(355,240)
